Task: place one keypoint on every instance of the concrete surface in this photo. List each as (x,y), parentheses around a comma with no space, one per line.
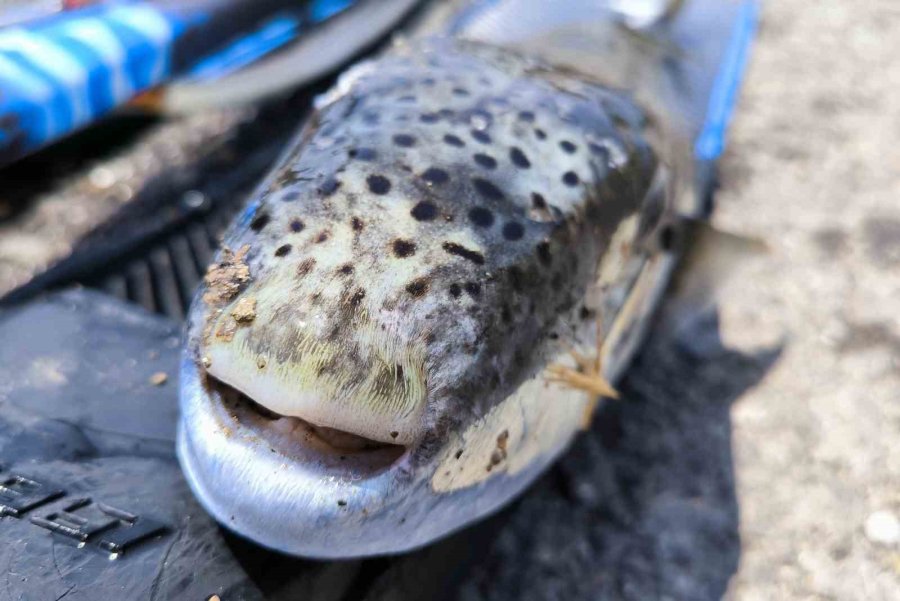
(814,168)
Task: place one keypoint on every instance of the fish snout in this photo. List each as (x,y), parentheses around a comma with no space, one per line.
(353,381)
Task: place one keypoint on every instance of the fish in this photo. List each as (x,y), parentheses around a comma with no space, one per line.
(460,251)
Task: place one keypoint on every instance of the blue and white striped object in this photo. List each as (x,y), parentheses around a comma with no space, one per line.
(65,71)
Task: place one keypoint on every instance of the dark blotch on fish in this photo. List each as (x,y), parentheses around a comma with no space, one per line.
(417,288)
(461,251)
(435,176)
(260,222)
(518,158)
(404,140)
(424,211)
(486,161)
(481,217)
(403,248)
(487,189)
(378,184)
(362,154)
(454,140)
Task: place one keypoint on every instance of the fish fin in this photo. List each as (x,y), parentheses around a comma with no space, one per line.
(589,377)
(711,258)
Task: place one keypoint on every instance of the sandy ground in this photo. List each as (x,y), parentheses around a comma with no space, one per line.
(814,168)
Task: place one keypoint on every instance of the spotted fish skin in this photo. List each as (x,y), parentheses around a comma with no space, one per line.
(429,241)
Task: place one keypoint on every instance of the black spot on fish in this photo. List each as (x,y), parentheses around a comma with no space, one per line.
(486,161)
(357,224)
(260,222)
(570,178)
(481,217)
(362,154)
(518,158)
(345,269)
(296,225)
(568,147)
(462,92)
(378,184)
(429,117)
(538,201)
(481,136)
(461,251)
(454,141)
(417,288)
(455,290)
(424,211)
(435,176)
(329,186)
(323,236)
(403,248)
(540,133)
(486,189)
(526,116)
(513,231)
(473,288)
(404,140)
(282,250)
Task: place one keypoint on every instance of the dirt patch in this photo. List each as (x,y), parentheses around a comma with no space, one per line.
(225,278)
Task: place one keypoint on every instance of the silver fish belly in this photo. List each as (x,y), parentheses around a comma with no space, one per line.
(366,366)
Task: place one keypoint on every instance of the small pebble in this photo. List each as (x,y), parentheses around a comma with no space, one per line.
(159,378)
(883,527)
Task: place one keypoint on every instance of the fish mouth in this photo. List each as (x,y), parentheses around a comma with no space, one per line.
(316,492)
(328,449)
(285,483)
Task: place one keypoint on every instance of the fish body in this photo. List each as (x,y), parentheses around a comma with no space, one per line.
(367,364)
